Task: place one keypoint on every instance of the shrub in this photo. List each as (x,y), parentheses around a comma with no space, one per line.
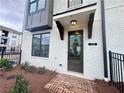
(20,85)
(25,65)
(41,70)
(4,63)
(31,69)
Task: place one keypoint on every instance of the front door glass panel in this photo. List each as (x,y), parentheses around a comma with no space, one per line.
(75,51)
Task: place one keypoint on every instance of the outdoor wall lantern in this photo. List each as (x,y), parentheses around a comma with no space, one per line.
(73,22)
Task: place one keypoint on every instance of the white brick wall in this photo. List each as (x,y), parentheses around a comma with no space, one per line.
(93,55)
(114,12)
(113,3)
(115,29)
(58,53)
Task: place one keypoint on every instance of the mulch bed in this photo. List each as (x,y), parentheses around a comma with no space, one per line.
(36,81)
(70,84)
(53,82)
(104,87)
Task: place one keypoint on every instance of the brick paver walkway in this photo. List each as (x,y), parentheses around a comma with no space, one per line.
(69,84)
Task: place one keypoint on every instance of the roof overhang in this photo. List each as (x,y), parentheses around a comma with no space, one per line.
(83,16)
(91,7)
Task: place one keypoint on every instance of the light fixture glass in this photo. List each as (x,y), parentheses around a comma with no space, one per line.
(73,22)
(77,33)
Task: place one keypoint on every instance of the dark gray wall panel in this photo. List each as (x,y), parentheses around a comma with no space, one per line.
(36,19)
(29,21)
(41,19)
(44,18)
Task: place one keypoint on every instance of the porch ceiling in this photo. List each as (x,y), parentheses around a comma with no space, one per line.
(82,16)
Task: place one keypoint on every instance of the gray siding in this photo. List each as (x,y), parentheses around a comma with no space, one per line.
(41,19)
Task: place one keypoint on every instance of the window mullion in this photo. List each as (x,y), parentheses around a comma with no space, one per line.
(33,46)
(37,5)
(33,2)
(41,45)
(81,1)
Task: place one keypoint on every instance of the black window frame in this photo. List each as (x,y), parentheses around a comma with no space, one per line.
(73,6)
(40,45)
(35,1)
(37,10)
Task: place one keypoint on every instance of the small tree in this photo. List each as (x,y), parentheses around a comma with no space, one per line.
(20,85)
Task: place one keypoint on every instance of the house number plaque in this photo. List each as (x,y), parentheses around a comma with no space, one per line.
(92,44)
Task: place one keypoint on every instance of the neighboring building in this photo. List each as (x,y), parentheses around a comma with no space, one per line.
(10,39)
(73,35)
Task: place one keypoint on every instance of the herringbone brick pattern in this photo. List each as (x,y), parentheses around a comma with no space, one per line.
(69,84)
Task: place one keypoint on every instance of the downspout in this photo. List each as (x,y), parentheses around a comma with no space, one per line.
(104,39)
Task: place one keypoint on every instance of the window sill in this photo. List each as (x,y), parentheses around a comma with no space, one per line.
(44,58)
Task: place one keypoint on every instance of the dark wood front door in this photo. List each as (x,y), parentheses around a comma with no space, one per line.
(75,51)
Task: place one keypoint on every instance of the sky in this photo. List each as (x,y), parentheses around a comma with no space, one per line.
(12,13)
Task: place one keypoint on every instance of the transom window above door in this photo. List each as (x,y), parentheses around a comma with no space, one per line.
(36,5)
(72,3)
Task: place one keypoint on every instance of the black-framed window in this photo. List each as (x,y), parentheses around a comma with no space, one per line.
(72,3)
(36,5)
(40,45)
(41,4)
